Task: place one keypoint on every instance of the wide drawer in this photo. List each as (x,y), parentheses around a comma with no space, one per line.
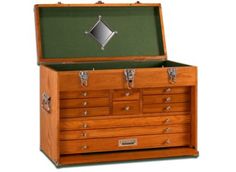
(171,98)
(119,95)
(77,124)
(83,94)
(170,107)
(91,102)
(125,108)
(83,112)
(124,143)
(166,90)
(128,131)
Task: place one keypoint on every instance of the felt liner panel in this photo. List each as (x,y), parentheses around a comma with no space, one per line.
(114,65)
(62,31)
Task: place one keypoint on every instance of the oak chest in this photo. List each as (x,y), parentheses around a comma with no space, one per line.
(107,90)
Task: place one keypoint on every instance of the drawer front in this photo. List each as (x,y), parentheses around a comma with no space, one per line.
(128,131)
(79,124)
(171,107)
(173,98)
(166,90)
(124,143)
(83,94)
(84,112)
(125,95)
(126,108)
(92,102)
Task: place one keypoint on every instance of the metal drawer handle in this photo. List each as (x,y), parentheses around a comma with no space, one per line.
(127,108)
(168,108)
(168,90)
(167,121)
(84,134)
(85,125)
(167,142)
(127,94)
(168,99)
(85,103)
(167,130)
(84,94)
(84,147)
(85,113)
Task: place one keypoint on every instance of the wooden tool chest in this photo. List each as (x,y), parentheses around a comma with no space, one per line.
(107,91)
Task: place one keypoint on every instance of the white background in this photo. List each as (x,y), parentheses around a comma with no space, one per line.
(199,32)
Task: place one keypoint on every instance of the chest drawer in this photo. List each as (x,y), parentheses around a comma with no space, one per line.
(125,108)
(172,98)
(119,95)
(170,107)
(124,143)
(78,124)
(92,102)
(83,112)
(166,90)
(83,94)
(127,131)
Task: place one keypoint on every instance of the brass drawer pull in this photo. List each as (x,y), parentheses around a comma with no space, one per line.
(85,113)
(167,142)
(167,121)
(168,108)
(167,130)
(84,147)
(84,94)
(127,94)
(168,99)
(85,103)
(127,108)
(167,90)
(85,125)
(84,134)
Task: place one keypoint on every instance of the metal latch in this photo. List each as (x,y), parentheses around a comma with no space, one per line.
(129,76)
(83,78)
(172,75)
(46,102)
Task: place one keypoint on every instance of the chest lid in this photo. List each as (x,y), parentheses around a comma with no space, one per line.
(99,32)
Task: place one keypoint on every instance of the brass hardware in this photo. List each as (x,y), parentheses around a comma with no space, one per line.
(127,94)
(128,142)
(167,121)
(167,141)
(85,125)
(83,78)
(172,75)
(99,2)
(167,130)
(85,103)
(127,108)
(46,102)
(129,77)
(85,113)
(168,90)
(84,134)
(168,108)
(84,94)
(84,147)
(168,99)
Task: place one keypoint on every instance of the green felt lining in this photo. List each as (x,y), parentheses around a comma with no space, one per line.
(115,65)
(63,32)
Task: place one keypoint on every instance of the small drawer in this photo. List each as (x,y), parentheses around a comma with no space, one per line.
(127,131)
(171,98)
(76,103)
(83,94)
(84,112)
(125,95)
(166,90)
(124,143)
(125,108)
(171,107)
(67,124)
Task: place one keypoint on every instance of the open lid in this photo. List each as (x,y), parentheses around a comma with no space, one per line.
(99,32)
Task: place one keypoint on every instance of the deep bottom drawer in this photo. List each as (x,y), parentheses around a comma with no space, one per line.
(124,143)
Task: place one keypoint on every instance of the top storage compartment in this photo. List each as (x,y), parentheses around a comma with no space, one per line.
(81,33)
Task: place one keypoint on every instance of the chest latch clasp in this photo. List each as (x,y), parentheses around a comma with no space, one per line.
(129,77)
